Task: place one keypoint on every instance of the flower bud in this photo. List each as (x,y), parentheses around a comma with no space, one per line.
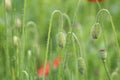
(103,55)
(8,5)
(81,65)
(96,31)
(16,40)
(17,23)
(61,39)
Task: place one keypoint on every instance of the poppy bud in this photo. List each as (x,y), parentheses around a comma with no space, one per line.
(103,55)
(16,40)
(17,23)
(8,5)
(81,65)
(61,39)
(96,31)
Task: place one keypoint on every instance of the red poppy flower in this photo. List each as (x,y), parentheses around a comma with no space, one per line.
(56,62)
(95,0)
(41,70)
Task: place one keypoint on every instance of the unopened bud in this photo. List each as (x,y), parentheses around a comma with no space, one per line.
(96,31)
(103,55)
(81,65)
(8,5)
(61,39)
(17,23)
(29,53)
(16,40)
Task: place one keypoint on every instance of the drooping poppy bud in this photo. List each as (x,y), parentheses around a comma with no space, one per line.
(61,39)
(103,55)
(95,31)
(81,65)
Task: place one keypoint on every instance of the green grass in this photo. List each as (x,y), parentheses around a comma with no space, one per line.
(36,32)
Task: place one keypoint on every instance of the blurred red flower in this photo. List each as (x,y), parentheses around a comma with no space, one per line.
(41,70)
(95,0)
(56,62)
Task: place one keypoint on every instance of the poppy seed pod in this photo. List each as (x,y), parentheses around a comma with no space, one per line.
(81,65)
(16,40)
(8,5)
(61,39)
(96,31)
(17,23)
(103,55)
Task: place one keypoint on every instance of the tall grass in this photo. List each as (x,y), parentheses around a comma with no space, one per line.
(48,30)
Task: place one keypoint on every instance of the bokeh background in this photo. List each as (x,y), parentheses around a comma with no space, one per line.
(38,13)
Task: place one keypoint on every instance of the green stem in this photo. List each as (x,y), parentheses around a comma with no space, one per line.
(76,59)
(6,45)
(74,37)
(78,43)
(76,10)
(69,21)
(23,40)
(80,47)
(106,70)
(99,5)
(17,63)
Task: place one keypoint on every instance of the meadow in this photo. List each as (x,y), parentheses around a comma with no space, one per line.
(59,40)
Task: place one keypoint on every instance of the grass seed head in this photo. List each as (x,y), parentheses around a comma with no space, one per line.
(61,39)
(96,31)
(81,65)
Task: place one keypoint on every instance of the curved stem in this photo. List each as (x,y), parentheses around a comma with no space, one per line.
(102,11)
(80,47)
(69,22)
(48,40)
(99,5)
(74,37)
(78,43)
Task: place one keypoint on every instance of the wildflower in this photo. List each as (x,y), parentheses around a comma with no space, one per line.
(81,65)
(56,62)
(96,31)
(8,5)
(61,39)
(95,0)
(41,70)
(103,55)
